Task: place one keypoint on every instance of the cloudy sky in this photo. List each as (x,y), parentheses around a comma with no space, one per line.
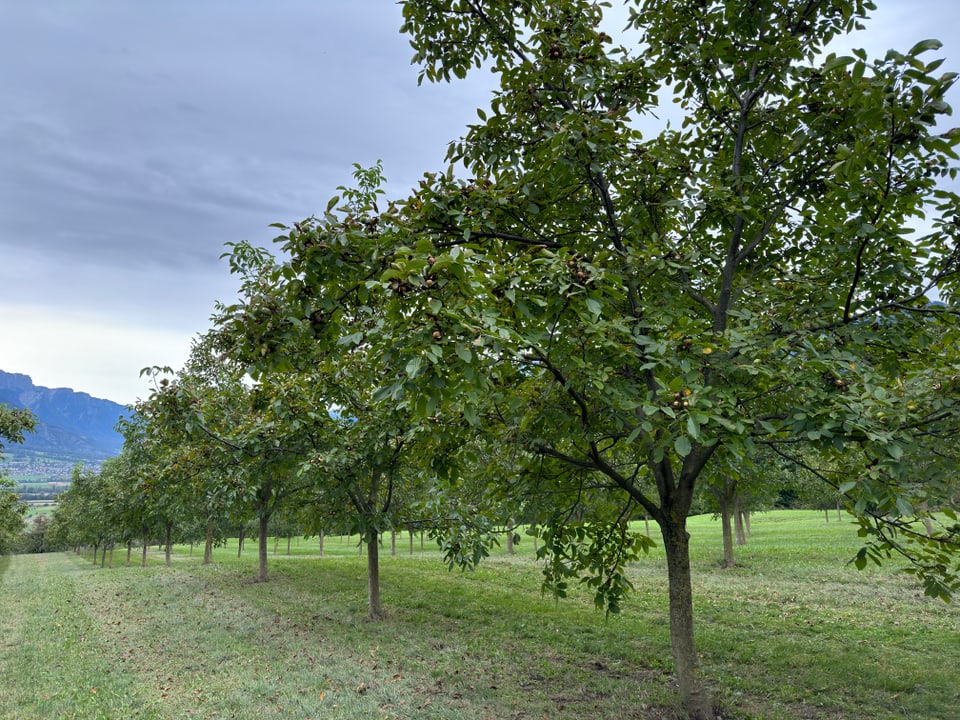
(139,137)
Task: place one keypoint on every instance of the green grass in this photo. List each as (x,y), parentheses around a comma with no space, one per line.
(39,507)
(792,632)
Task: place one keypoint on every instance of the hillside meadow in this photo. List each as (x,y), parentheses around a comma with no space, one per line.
(792,632)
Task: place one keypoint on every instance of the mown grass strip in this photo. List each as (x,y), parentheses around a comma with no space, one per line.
(790,633)
(55,660)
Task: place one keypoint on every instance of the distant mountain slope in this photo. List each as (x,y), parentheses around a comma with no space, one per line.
(72,425)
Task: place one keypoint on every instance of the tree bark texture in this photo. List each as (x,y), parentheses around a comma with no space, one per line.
(726,497)
(262,548)
(373,576)
(208,543)
(738,523)
(729,560)
(693,695)
(168,541)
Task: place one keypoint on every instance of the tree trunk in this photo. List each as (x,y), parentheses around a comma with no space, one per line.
(129,551)
(208,542)
(411,541)
(676,543)
(110,562)
(838,510)
(727,500)
(288,544)
(276,543)
(746,521)
(826,515)
(240,542)
(262,548)
(373,576)
(510,550)
(169,542)
(321,543)
(738,523)
(143,558)
(393,543)
(728,557)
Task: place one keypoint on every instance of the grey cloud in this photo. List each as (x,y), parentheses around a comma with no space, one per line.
(143,136)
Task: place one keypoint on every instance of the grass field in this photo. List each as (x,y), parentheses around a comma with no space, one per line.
(792,632)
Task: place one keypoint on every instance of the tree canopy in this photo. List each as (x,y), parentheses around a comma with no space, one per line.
(14,422)
(623,306)
(779,271)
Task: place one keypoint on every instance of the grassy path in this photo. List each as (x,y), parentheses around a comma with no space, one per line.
(55,658)
(165,643)
(790,634)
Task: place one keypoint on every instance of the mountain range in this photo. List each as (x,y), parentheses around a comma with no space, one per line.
(71,425)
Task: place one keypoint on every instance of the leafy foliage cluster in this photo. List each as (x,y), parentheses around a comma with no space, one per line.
(14,422)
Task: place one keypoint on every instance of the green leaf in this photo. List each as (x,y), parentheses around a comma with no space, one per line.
(837,61)
(413,367)
(861,559)
(471,416)
(352,339)
(904,507)
(925,45)
(858,70)
(682,446)
(594,307)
